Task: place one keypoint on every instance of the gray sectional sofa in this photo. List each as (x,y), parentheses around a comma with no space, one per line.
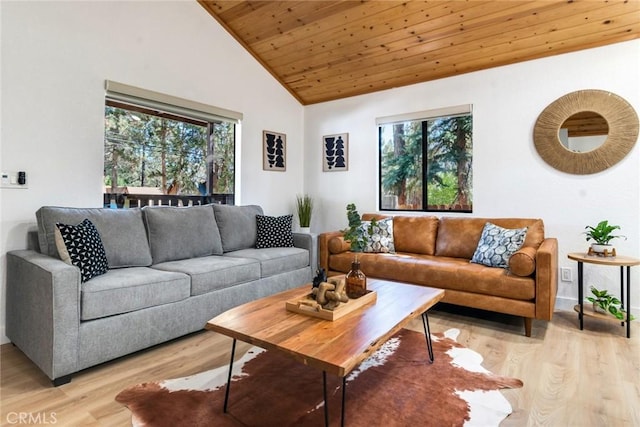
(170,270)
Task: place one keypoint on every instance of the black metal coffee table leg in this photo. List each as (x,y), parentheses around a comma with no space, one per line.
(324,395)
(344,396)
(427,333)
(226,393)
(326,403)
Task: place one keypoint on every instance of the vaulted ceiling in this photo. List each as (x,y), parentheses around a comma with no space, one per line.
(327,50)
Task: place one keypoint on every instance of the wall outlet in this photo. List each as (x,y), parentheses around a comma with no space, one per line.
(565,274)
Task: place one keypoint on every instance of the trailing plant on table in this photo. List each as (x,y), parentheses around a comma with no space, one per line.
(609,303)
(602,233)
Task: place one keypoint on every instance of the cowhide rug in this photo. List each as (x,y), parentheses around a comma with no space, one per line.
(396,386)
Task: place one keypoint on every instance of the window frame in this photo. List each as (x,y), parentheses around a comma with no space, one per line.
(130,98)
(424,117)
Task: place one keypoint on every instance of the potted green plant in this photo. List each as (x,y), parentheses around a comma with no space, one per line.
(304,206)
(603,302)
(601,235)
(356,233)
(358,236)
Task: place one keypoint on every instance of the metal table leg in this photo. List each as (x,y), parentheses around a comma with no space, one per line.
(326,402)
(226,392)
(344,395)
(622,291)
(629,300)
(427,333)
(580,294)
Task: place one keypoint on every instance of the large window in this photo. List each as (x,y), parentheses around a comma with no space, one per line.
(164,150)
(425,161)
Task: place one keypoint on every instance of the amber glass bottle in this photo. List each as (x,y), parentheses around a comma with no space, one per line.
(356,281)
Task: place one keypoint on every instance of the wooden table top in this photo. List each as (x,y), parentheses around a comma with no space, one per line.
(338,346)
(619,260)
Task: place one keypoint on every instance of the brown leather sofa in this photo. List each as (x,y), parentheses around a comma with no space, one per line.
(436,252)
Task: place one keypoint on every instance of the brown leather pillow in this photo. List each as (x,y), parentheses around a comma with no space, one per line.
(338,245)
(416,234)
(523,262)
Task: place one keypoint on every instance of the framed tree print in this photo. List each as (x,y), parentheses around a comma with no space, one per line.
(335,152)
(274,151)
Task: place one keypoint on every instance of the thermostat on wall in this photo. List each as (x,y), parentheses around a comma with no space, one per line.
(13,180)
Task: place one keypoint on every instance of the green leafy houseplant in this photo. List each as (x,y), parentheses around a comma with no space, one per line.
(609,303)
(356,234)
(602,233)
(304,205)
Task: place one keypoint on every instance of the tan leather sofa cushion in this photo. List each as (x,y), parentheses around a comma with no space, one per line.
(415,234)
(439,272)
(338,245)
(458,237)
(523,262)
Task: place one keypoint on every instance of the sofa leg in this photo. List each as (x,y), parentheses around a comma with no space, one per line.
(61,380)
(527,325)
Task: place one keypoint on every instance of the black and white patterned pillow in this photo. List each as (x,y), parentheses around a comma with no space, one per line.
(381,238)
(497,244)
(274,231)
(81,245)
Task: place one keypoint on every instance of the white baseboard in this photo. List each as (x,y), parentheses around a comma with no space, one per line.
(3,337)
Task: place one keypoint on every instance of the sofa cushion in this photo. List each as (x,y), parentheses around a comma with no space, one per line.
(130,289)
(214,272)
(122,232)
(523,262)
(274,231)
(275,260)
(181,232)
(497,244)
(337,245)
(458,237)
(80,245)
(237,225)
(440,272)
(379,236)
(415,234)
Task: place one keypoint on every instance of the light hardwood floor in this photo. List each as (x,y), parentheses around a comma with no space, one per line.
(571,377)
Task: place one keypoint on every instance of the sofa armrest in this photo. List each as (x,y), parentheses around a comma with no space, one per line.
(323,243)
(546,278)
(43,310)
(308,241)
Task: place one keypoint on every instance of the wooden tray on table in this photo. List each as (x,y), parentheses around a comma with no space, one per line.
(306,306)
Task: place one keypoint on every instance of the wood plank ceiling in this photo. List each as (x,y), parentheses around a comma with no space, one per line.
(327,50)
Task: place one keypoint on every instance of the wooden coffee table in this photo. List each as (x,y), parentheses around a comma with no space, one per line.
(334,347)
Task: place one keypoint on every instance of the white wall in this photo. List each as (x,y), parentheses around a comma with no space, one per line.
(510,178)
(55,59)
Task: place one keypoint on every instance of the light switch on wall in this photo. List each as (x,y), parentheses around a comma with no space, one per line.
(13,180)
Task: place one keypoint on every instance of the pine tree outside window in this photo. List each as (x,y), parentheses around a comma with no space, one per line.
(165,150)
(426,161)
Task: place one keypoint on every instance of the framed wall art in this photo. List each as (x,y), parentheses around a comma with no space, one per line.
(274,151)
(335,152)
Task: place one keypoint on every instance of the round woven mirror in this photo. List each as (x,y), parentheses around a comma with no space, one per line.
(622,127)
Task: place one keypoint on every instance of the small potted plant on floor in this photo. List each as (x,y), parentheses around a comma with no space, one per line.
(601,235)
(304,206)
(603,302)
